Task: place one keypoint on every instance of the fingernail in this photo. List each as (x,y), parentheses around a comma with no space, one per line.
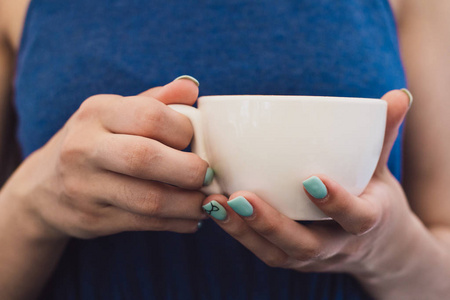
(199,224)
(241,206)
(189,78)
(215,210)
(209,176)
(315,187)
(410,96)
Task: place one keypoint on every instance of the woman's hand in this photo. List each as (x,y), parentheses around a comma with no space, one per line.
(369,232)
(115,166)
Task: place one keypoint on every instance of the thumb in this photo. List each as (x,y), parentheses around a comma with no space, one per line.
(398,102)
(183,90)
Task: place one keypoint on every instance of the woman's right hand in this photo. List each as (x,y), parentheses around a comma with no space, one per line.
(116,165)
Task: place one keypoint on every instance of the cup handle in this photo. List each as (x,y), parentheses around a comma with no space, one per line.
(198,142)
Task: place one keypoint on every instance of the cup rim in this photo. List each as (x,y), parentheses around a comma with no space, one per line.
(219,98)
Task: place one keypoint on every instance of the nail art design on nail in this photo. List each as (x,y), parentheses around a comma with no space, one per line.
(211,209)
(209,176)
(188,77)
(241,206)
(215,210)
(315,187)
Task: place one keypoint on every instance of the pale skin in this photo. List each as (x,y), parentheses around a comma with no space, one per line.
(394,240)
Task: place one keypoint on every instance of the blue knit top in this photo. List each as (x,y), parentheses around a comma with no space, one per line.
(71,50)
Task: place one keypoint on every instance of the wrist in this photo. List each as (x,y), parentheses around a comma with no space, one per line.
(18,211)
(414,266)
(33,248)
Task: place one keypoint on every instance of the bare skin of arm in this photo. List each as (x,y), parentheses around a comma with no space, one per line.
(395,252)
(129,146)
(29,259)
(9,153)
(424,34)
(424,29)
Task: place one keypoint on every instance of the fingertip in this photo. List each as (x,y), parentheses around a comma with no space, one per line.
(315,187)
(180,91)
(209,176)
(188,77)
(217,197)
(241,206)
(246,194)
(410,96)
(398,105)
(398,102)
(356,216)
(151,92)
(215,210)
(214,206)
(324,192)
(184,86)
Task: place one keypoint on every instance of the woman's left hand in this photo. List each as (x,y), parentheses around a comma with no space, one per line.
(374,228)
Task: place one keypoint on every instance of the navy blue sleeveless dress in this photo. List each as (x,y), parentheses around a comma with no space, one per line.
(71,50)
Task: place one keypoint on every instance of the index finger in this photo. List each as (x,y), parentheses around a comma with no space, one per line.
(142,116)
(398,103)
(148,159)
(183,90)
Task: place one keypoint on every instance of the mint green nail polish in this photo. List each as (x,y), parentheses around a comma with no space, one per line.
(190,78)
(410,96)
(208,177)
(315,187)
(215,210)
(241,206)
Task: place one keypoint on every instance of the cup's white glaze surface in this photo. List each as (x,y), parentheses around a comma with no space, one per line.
(270,144)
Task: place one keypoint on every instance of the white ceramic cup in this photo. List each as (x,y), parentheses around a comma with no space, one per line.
(270,144)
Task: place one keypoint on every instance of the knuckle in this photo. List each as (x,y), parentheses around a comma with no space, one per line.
(139,156)
(151,204)
(196,174)
(138,222)
(72,187)
(70,152)
(238,232)
(308,253)
(146,202)
(89,225)
(187,133)
(189,228)
(344,208)
(185,140)
(367,224)
(151,119)
(89,106)
(159,224)
(277,261)
(175,225)
(70,170)
(75,149)
(268,228)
